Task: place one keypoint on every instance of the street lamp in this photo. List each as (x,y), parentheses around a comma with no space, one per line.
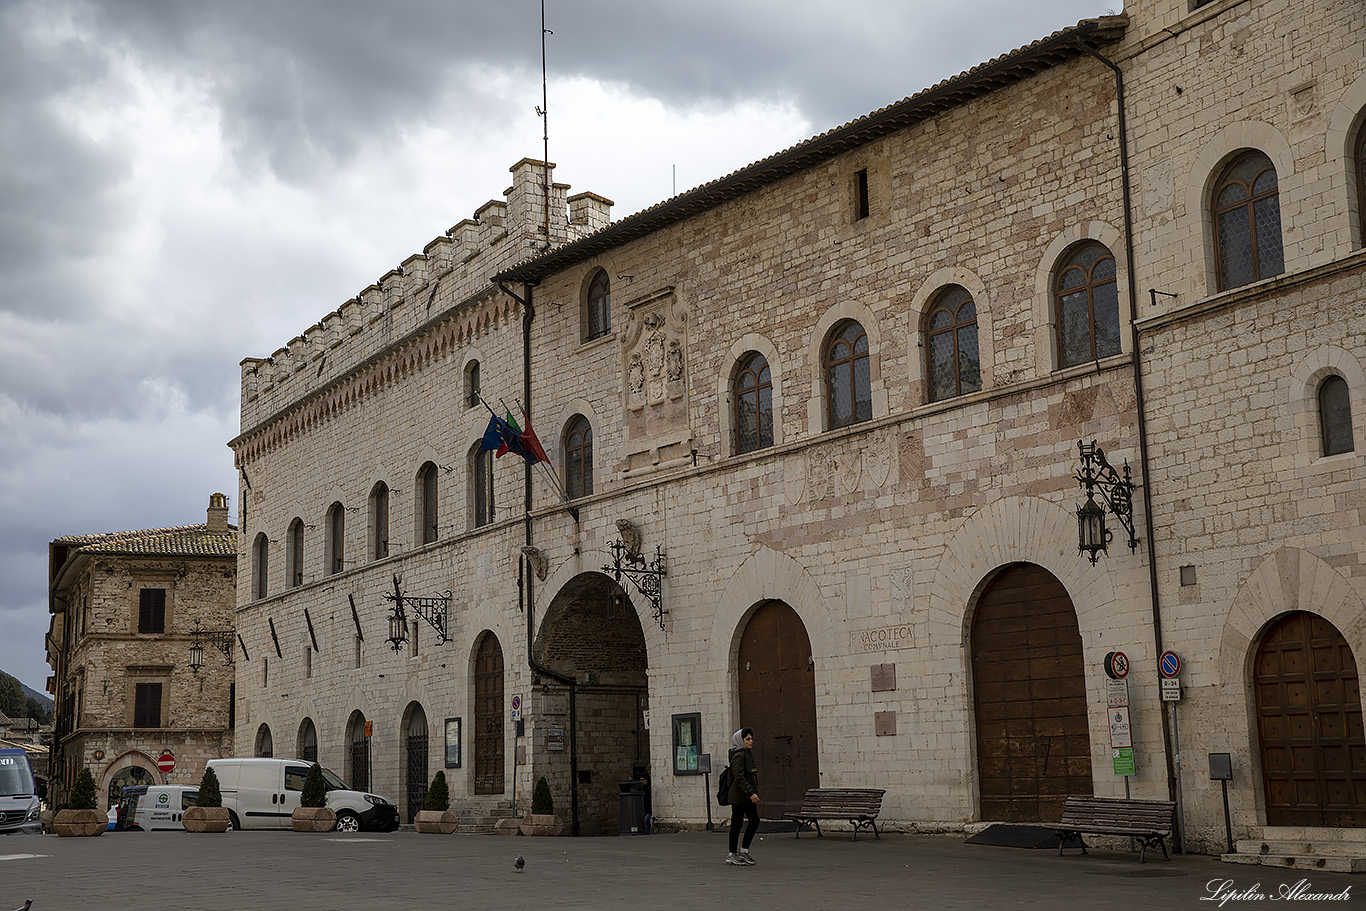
(398,627)
(1116,492)
(222,639)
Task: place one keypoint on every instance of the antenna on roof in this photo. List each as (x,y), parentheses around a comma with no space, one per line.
(545,134)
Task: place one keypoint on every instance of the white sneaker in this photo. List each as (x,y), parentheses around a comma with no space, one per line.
(734,860)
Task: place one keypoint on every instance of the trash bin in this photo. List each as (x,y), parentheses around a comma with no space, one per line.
(632,799)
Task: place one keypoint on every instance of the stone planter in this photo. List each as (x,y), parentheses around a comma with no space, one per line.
(80,822)
(205,819)
(436,822)
(541,824)
(313,819)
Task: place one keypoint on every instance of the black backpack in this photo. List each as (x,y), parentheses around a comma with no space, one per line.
(723,788)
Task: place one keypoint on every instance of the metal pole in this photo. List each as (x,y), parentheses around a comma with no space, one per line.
(1228,824)
(1180,813)
(706,797)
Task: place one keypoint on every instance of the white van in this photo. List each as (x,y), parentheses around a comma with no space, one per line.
(19,808)
(146,807)
(262,794)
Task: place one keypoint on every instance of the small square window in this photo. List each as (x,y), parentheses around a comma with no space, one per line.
(152,610)
(1187,575)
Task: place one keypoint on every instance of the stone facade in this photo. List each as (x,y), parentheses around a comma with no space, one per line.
(883,536)
(108,651)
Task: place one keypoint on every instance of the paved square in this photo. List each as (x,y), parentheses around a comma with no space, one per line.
(131,871)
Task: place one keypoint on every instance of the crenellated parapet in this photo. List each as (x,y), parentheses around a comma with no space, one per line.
(439,296)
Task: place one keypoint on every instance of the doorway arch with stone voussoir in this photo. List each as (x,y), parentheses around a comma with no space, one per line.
(772,587)
(1024,530)
(1257,631)
(593,633)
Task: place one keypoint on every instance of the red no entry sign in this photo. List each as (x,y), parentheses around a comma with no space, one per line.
(1116,665)
(166,762)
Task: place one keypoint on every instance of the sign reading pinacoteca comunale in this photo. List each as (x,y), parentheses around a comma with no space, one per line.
(881,639)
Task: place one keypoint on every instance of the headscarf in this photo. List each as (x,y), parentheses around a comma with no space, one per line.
(737,740)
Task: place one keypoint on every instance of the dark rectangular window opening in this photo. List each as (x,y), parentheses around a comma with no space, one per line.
(861,195)
(147,706)
(152,610)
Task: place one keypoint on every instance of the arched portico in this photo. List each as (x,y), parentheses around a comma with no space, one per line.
(593,732)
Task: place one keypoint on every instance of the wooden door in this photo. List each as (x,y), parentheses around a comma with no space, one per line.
(1029,690)
(778,700)
(1309,723)
(488,717)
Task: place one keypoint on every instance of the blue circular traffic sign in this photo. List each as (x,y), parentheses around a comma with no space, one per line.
(1169,664)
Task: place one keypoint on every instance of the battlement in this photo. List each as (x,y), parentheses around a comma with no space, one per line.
(454,269)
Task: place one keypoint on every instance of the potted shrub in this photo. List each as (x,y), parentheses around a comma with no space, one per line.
(435,817)
(208,814)
(541,820)
(313,814)
(80,816)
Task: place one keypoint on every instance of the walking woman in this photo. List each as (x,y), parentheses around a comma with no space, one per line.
(744,796)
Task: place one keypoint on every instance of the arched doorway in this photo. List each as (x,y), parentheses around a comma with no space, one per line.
(592,734)
(125,777)
(308,741)
(777,684)
(1309,724)
(358,752)
(1029,693)
(265,744)
(415,766)
(488,715)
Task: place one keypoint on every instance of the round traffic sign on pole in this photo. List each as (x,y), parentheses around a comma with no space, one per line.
(166,762)
(1169,664)
(1116,665)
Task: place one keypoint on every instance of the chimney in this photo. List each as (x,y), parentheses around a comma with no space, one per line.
(218,512)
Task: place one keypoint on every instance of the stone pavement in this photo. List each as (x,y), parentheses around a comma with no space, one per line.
(133,871)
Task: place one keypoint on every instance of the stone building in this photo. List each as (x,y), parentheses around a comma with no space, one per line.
(835,399)
(127,607)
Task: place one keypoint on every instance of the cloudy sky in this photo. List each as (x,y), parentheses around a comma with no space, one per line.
(185,184)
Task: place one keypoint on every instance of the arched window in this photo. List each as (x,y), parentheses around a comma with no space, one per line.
(427,526)
(259,559)
(753,404)
(265,744)
(472,384)
(598,318)
(1087,299)
(1361,182)
(336,539)
(951,345)
(308,741)
(1247,222)
(481,486)
(1335,416)
(379,521)
(848,380)
(294,560)
(578,457)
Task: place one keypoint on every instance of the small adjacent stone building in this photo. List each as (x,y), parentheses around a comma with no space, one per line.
(813,433)
(126,609)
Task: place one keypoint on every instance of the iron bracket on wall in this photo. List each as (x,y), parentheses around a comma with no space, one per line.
(645,575)
(433,609)
(222,639)
(1098,476)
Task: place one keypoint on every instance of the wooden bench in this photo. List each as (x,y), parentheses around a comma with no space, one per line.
(857,806)
(1147,820)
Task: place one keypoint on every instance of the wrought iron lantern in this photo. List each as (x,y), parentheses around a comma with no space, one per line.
(398,627)
(434,610)
(222,639)
(1117,493)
